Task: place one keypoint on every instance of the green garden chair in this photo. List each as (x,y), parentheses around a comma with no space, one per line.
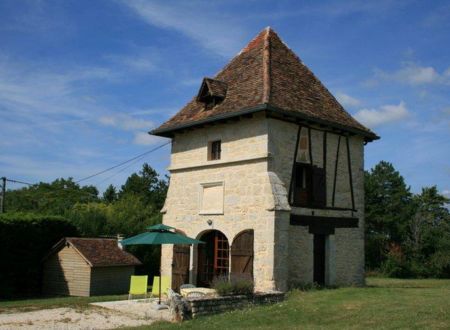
(165,285)
(138,285)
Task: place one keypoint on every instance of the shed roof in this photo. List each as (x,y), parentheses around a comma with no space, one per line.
(98,252)
(268,76)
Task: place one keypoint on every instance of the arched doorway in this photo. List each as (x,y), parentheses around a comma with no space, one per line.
(213,257)
(242,255)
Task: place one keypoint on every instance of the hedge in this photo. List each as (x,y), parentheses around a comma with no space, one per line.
(24,240)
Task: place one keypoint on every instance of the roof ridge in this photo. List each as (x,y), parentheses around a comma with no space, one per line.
(266,67)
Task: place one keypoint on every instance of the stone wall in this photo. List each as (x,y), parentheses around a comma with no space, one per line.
(202,306)
(248,201)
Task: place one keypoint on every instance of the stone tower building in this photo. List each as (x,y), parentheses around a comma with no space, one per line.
(267,169)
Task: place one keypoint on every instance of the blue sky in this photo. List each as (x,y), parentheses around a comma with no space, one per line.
(81,82)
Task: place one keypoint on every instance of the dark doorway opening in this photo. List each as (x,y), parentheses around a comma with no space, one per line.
(319,259)
(213,257)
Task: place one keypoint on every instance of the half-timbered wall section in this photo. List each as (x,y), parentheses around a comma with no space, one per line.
(341,158)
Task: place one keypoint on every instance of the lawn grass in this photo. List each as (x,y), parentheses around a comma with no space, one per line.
(43,303)
(383,304)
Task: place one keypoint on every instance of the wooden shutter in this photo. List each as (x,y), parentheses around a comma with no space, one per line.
(319,195)
(242,255)
(180,266)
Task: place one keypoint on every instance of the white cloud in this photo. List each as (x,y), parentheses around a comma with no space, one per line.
(143,138)
(125,122)
(347,100)
(414,74)
(383,115)
(204,22)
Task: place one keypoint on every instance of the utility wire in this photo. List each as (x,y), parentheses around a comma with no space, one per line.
(119,171)
(21,182)
(122,163)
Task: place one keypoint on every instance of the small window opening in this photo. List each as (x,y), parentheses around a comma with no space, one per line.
(215,150)
(309,188)
(302,184)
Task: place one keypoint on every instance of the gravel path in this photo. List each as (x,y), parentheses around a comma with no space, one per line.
(117,314)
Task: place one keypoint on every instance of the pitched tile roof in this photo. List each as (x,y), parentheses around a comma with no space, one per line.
(268,76)
(99,252)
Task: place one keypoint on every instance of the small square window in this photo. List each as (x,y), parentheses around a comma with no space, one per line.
(214,150)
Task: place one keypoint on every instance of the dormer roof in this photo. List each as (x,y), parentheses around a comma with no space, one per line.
(266,76)
(212,88)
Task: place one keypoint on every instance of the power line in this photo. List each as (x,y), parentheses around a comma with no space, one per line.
(21,182)
(119,171)
(123,163)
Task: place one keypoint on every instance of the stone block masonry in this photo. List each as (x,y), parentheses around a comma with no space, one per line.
(201,306)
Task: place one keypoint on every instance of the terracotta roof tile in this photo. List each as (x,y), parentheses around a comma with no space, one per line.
(266,74)
(101,252)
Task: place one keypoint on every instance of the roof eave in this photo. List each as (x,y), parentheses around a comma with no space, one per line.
(168,131)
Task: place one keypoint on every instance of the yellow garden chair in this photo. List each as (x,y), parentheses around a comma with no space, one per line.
(165,285)
(138,285)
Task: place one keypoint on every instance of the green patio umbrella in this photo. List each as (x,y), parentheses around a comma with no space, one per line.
(158,235)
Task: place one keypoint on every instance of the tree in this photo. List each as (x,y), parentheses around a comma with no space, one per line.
(110,194)
(91,219)
(428,243)
(146,184)
(54,198)
(389,209)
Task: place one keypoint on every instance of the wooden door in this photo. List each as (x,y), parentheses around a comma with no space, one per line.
(242,255)
(180,266)
(319,259)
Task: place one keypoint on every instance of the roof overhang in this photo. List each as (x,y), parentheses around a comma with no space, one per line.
(275,112)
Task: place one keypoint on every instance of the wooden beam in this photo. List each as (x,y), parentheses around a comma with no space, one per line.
(335,170)
(293,165)
(335,222)
(324,151)
(350,172)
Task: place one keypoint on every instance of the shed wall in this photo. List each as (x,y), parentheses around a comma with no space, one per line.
(66,273)
(111,280)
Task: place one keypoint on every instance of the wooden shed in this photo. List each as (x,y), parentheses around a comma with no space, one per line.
(86,267)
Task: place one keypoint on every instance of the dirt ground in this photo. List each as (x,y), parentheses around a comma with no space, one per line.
(97,316)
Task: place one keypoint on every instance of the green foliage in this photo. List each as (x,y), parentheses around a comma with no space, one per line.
(147,185)
(26,239)
(388,209)
(233,285)
(110,195)
(406,235)
(91,219)
(222,285)
(49,198)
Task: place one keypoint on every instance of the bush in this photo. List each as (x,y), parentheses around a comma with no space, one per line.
(222,285)
(396,264)
(233,285)
(26,239)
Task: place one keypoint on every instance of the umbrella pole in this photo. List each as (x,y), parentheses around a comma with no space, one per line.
(160,280)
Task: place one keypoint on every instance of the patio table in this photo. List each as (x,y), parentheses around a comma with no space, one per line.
(206,291)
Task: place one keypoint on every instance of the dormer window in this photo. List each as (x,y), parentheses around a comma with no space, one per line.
(211,92)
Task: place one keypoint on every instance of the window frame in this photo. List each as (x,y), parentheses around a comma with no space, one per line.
(212,153)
